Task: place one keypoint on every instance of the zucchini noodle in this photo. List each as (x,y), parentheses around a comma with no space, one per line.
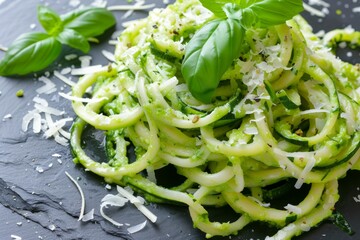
(285,112)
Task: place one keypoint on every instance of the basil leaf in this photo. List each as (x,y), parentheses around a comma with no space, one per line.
(74,39)
(216,6)
(29,53)
(89,22)
(49,20)
(209,54)
(274,12)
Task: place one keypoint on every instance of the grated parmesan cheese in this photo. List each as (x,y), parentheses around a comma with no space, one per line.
(109,56)
(70,57)
(85,61)
(313,11)
(48,88)
(84,100)
(112,200)
(137,203)
(88,216)
(3,48)
(63,78)
(293,209)
(13,236)
(82,209)
(86,70)
(99,3)
(139,6)
(137,228)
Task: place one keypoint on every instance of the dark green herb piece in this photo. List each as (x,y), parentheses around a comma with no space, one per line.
(339,220)
(34,51)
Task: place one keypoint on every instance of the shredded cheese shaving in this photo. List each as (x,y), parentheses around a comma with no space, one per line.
(82,209)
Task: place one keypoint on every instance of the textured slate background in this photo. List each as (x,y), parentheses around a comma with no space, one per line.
(31,202)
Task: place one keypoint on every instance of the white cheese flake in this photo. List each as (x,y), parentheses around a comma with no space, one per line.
(63,78)
(82,209)
(85,61)
(13,236)
(70,57)
(137,228)
(7,116)
(130,7)
(147,213)
(86,70)
(39,169)
(99,3)
(78,99)
(293,209)
(3,48)
(112,200)
(108,55)
(88,216)
(48,88)
(52,227)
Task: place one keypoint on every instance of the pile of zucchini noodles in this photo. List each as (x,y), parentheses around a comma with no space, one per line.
(286,109)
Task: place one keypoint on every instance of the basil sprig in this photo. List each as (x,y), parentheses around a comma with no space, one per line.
(34,51)
(212,49)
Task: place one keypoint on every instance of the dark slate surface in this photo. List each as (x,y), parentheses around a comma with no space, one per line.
(32,203)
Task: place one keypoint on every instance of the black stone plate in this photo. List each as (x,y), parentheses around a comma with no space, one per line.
(45,205)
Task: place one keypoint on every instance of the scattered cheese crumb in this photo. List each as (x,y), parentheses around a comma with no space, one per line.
(15,237)
(86,70)
(129,195)
(70,57)
(48,88)
(7,116)
(85,61)
(74,3)
(3,48)
(110,56)
(66,80)
(52,227)
(99,3)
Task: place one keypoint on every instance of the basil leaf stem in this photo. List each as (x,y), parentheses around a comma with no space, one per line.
(213,48)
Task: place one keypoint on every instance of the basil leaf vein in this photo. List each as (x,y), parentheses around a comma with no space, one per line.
(74,39)
(30,52)
(89,22)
